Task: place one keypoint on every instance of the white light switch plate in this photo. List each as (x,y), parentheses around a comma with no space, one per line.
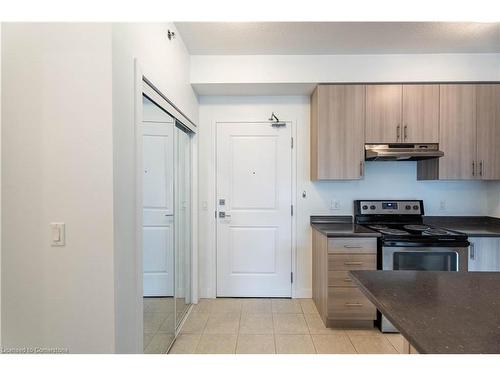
(57,234)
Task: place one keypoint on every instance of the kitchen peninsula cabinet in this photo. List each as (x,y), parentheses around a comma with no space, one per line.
(337,132)
(484,254)
(339,301)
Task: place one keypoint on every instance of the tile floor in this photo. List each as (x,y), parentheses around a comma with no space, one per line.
(269,326)
(158,324)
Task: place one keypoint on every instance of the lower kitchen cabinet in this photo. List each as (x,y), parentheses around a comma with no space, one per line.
(339,301)
(484,254)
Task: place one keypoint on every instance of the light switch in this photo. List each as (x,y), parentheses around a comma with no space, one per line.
(58,236)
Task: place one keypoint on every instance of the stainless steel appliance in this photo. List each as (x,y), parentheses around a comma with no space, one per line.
(409,244)
(402,151)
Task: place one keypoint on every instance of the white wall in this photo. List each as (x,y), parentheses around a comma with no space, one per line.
(166,64)
(57,165)
(257,72)
(382,180)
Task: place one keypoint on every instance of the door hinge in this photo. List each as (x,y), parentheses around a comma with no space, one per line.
(291,277)
(291,142)
(291,209)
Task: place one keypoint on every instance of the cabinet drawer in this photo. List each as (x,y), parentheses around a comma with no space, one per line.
(340,278)
(349,304)
(352,262)
(352,245)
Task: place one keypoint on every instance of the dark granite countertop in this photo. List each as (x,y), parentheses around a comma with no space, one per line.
(340,226)
(473,226)
(439,312)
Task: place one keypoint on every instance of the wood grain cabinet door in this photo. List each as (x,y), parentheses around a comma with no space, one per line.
(337,132)
(420,114)
(457,132)
(488,131)
(383,114)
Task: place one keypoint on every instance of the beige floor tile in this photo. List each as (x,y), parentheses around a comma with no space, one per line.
(256,306)
(153,321)
(204,305)
(308,306)
(316,325)
(290,324)
(158,304)
(185,344)
(223,323)
(216,344)
(396,340)
(286,306)
(363,332)
(372,344)
(256,324)
(333,344)
(255,344)
(146,339)
(195,323)
(219,305)
(159,344)
(294,344)
(168,325)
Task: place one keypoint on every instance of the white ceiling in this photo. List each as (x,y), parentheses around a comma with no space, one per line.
(314,38)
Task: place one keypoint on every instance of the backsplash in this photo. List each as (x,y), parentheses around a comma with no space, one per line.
(397,180)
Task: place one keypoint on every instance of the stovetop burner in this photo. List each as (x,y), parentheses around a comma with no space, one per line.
(417,227)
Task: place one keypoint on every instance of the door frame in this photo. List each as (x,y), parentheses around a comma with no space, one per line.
(212,289)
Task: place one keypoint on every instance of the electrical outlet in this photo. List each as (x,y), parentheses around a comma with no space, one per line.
(442,205)
(335,205)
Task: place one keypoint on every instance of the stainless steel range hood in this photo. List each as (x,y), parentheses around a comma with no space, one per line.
(402,151)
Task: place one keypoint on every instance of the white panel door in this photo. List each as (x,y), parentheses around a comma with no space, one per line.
(254,191)
(158,210)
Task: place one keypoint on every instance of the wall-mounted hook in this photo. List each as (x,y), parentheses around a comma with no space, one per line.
(273,118)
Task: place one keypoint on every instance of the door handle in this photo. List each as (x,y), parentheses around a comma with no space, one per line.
(473,168)
(405,131)
(361,168)
(353,263)
(353,247)
(398,132)
(347,280)
(223,215)
(481,168)
(472,255)
(353,304)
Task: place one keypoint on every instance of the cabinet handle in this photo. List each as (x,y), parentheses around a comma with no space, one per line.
(361,169)
(398,132)
(473,168)
(353,304)
(405,132)
(481,168)
(347,280)
(353,247)
(472,255)
(353,263)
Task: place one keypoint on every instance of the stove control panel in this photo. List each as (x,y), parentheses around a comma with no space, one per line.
(395,207)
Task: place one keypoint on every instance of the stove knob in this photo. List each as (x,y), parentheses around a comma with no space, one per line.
(415,207)
(408,207)
(365,207)
(372,207)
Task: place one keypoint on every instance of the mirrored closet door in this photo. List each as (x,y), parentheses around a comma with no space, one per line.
(166,227)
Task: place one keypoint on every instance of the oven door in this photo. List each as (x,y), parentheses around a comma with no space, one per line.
(420,258)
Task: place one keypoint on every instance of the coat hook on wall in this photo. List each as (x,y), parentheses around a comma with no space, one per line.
(170,35)
(273,118)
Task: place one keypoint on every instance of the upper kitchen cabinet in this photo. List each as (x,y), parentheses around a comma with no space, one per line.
(402,113)
(383,113)
(457,136)
(469,134)
(420,114)
(488,131)
(337,132)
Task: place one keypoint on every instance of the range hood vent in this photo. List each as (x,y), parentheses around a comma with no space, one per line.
(402,151)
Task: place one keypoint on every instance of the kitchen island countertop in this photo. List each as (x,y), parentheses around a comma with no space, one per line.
(438,312)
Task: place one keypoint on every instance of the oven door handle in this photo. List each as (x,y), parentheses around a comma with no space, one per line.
(426,244)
